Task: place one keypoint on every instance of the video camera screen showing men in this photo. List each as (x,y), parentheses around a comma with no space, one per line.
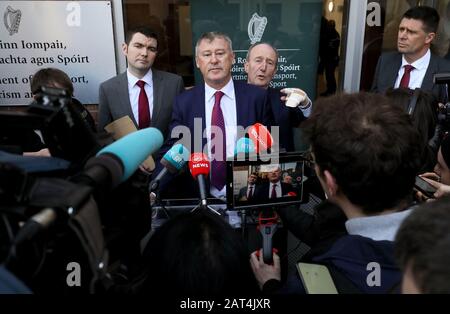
(258,183)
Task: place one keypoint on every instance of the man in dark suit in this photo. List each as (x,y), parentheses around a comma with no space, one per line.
(261,66)
(144,94)
(247,192)
(274,188)
(413,65)
(221,107)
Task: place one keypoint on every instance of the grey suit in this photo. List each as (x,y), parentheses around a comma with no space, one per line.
(387,71)
(114,100)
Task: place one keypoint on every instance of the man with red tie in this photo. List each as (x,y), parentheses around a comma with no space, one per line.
(144,94)
(247,192)
(215,109)
(275,188)
(413,65)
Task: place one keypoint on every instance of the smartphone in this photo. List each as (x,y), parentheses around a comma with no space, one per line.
(316,279)
(423,186)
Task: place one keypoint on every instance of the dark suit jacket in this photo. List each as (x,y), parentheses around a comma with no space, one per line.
(252,106)
(387,71)
(285,118)
(262,190)
(114,99)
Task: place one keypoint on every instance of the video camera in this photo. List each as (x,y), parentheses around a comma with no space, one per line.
(444,111)
(65,132)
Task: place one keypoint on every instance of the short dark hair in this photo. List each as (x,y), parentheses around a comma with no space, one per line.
(368,145)
(423,243)
(428,15)
(198,254)
(50,77)
(148,32)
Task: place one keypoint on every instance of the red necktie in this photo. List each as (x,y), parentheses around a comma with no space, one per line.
(274,191)
(250,192)
(406,76)
(144,111)
(218,163)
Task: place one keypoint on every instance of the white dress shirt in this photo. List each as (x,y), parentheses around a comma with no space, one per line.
(134,90)
(417,75)
(277,189)
(228,106)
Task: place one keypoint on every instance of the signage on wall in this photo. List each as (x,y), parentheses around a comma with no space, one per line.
(73,36)
(293,27)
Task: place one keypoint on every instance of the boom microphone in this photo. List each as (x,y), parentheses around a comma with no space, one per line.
(261,137)
(113,165)
(134,148)
(173,161)
(199,167)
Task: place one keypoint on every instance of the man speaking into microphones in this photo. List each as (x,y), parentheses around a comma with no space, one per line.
(216,108)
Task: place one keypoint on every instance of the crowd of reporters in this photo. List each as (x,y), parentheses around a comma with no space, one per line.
(367,150)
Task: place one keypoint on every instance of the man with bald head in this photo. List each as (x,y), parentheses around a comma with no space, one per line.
(261,67)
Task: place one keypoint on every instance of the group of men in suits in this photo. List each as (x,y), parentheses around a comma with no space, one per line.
(273,188)
(220,104)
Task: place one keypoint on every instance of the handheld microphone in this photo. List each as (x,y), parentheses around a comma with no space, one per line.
(267,225)
(261,137)
(199,167)
(244,146)
(173,161)
(113,165)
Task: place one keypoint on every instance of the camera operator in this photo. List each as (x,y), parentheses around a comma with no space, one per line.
(29,142)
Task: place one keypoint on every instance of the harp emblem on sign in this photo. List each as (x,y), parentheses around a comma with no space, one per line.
(256,27)
(11,18)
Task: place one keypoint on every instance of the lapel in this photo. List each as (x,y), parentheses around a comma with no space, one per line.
(124,96)
(158,92)
(393,68)
(241,104)
(197,109)
(427,83)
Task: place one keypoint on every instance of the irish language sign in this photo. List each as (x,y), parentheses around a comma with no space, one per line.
(73,36)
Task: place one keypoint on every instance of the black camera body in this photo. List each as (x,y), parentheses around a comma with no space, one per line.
(444,110)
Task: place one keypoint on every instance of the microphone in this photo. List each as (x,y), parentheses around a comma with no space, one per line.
(244,146)
(134,148)
(113,165)
(267,225)
(261,137)
(173,161)
(199,167)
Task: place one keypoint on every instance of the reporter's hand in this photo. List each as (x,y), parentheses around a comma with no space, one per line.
(144,169)
(264,272)
(41,153)
(442,189)
(431,175)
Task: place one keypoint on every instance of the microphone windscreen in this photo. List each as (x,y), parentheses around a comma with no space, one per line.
(261,137)
(199,164)
(244,146)
(134,148)
(175,158)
